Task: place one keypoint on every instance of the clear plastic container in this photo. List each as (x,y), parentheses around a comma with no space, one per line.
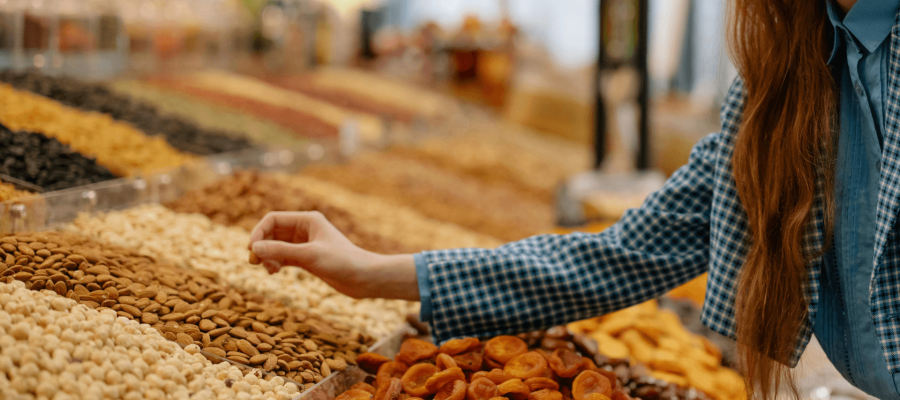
(10,20)
(39,38)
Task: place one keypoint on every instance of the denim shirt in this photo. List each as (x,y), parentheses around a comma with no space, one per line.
(844,324)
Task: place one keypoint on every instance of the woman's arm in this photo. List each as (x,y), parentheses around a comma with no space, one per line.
(530,284)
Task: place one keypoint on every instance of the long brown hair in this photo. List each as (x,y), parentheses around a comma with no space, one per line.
(785,143)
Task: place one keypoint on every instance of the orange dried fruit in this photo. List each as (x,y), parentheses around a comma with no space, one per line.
(438,380)
(355,394)
(455,390)
(596,396)
(611,376)
(469,361)
(499,398)
(444,361)
(389,370)
(535,384)
(415,398)
(513,386)
(370,362)
(565,363)
(389,391)
(504,348)
(589,382)
(415,350)
(481,389)
(364,386)
(588,364)
(491,363)
(545,394)
(528,365)
(415,377)
(620,395)
(499,376)
(455,346)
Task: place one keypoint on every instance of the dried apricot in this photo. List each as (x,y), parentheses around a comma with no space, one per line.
(444,361)
(415,398)
(620,395)
(491,363)
(528,365)
(589,382)
(455,346)
(596,396)
(504,348)
(513,386)
(415,377)
(364,386)
(545,394)
(444,377)
(499,376)
(499,398)
(469,361)
(611,376)
(535,384)
(390,391)
(415,350)
(355,394)
(370,362)
(455,390)
(388,370)
(566,363)
(482,389)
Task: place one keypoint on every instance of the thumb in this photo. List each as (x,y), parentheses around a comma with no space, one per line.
(300,255)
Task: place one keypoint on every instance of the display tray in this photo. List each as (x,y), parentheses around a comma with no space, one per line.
(340,382)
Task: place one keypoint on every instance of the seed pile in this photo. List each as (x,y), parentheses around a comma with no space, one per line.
(501,212)
(193,241)
(185,306)
(45,162)
(115,145)
(180,133)
(245,197)
(53,348)
(383,217)
(8,192)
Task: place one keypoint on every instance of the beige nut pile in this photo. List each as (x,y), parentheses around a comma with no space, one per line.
(193,241)
(51,348)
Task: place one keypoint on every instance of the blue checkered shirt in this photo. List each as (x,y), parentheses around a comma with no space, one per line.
(694,224)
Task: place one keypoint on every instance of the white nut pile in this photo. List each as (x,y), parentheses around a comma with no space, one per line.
(193,241)
(402,224)
(51,348)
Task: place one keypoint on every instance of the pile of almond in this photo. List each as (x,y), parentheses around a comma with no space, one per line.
(186,306)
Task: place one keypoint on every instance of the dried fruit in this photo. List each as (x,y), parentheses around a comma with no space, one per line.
(456,346)
(481,389)
(469,361)
(389,391)
(415,350)
(565,363)
(415,377)
(504,348)
(455,390)
(589,382)
(529,365)
(535,384)
(545,394)
(596,396)
(444,361)
(354,394)
(364,386)
(513,386)
(388,371)
(438,380)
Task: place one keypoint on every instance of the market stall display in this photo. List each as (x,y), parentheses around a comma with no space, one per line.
(208,115)
(178,132)
(657,338)
(55,348)
(437,193)
(117,146)
(193,241)
(186,306)
(46,162)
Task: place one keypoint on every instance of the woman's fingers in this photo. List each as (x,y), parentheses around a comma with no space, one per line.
(283,253)
(286,226)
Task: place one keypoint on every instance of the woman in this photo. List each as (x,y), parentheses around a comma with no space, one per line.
(791,208)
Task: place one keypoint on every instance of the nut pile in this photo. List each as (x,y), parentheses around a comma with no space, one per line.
(8,192)
(383,217)
(501,212)
(539,366)
(351,101)
(53,348)
(115,145)
(210,116)
(185,306)
(657,339)
(45,162)
(193,241)
(181,134)
(245,197)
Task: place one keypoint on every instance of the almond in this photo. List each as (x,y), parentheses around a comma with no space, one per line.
(215,351)
(184,339)
(271,363)
(134,311)
(207,325)
(247,348)
(173,317)
(259,359)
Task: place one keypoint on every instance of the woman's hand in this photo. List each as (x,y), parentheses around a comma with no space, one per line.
(307,240)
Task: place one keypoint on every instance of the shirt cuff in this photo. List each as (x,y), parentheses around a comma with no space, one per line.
(424,288)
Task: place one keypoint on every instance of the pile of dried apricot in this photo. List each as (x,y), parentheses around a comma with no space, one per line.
(502,368)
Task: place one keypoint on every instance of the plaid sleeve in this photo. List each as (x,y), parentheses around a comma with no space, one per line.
(549,280)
